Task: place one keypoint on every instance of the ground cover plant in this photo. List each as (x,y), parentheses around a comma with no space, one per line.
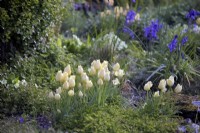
(100,66)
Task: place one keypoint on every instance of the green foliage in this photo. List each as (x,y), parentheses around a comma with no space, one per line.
(116,119)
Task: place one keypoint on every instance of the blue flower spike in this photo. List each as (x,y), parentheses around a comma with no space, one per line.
(197,104)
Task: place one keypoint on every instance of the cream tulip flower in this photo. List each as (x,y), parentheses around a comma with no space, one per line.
(97,65)
(68,69)
(80,69)
(100,82)
(101,73)
(59,90)
(57,96)
(148,86)
(116,67)
(84,77)
(162,84)
(59,75)
(71,82)
(66,85)
(64,77)
(92,70)
(107,76)
(156,94)
(51,96)
(170,81)
(105,64)
(71,92)
(137,17)
(89,84)
(119,73)
(116,81)
(80,94)
(178,88)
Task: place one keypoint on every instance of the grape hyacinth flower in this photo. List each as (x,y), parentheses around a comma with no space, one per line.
(172,46)
(150,32)
(128,31)
(21,120)
(184,40)
(197,104)
(133,1)
(192,14)
(130,17)
(43,122)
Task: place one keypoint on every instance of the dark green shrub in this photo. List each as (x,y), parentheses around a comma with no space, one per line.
(25,23)
(116,119)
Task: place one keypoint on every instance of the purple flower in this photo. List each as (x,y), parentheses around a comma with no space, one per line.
(192,14)
(43,122)
(150,32)
(21,120)
(196,103)
(184,40)
(128,31)
(130,17)
(172,46)
(133,1)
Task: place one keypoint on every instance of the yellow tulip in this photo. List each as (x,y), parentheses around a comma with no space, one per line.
(178,88)
(148,86)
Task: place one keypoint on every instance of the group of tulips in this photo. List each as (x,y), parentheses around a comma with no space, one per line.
(80,80)
(162,86)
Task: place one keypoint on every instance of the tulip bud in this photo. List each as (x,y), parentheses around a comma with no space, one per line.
(92,70)
(137,17)
(148,86)
(101,73)
(64,77)
(71,83)
(116,67)
(89,84)
(59,90)
(51,96)
(164,90)
(80,70)
(107,76)
(66,85)
(178,88)
(116,81)
(162,84)
(156,94)
(71,92)
(68,69)
(59,76)
(100,82)
(119,73)
(80,94)
(170,81)
(105,64)
(198,21)
(97,65)
(84,77)
(57,96)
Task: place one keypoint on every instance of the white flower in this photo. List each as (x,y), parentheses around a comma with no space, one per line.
(4,81)
(24,83)
(71,92)
(71,82)
(64,77)
(164,90)
(162,84)
(16,85)
(51,96)
(59,90)
(101,73)
(68,69)
(36,86)
(92,70)
(97,64)
(170,81)
(105,64)
(59,75)
(116,67)
(57,96)
(178,88)
(84,77)
(116,81)
(66,85)
(59,111)
(107,76)
(89,84)
(72,77)
(148,86)
(100,82)
(119,73)
(137,17)
(80,94)
(156,94)
(80,69)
